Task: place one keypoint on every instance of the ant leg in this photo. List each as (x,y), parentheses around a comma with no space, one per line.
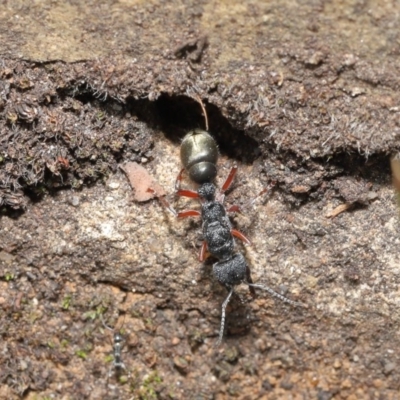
(188,193)
(203,251)
(240,236)
(179,180)
(109,375)
(275,294)
(234,208)
(164,202)
(238,209)
(167,205)
(184,192)
(228,182)
(222,328)
(253,200)
(188,213)
(116,371)
(183,214)
(121,367)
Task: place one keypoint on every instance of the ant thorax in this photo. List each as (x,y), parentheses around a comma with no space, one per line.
(212,210)
(207,191)
(216,225)
(217,234)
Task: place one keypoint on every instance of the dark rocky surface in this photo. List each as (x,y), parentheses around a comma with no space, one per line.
(301,93)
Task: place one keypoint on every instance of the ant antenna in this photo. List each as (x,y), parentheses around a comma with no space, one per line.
(104,323)
(108,327)
(224,305)
(262,287)
(203,109)
(275,294)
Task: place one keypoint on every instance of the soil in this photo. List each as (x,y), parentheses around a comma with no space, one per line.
(301,94)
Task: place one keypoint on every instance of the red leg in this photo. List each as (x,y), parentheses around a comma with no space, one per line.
(188,193)
(203,251)
(240,236)
(189,213)
(234,208)
(229,179)
(178,180)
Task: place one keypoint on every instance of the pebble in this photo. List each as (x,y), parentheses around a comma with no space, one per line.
(113,185)
(74,201)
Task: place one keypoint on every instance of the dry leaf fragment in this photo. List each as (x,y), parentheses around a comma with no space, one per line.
(338,210)
(143,184)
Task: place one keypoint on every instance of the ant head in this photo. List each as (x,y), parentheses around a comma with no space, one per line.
(207,191)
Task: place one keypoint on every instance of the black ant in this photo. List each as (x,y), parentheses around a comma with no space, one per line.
(118,342)
(199,156)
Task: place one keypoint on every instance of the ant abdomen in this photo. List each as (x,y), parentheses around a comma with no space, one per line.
(231,272)
(199,156)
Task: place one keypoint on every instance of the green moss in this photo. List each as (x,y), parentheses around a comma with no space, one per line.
(66,303)
(149,323)
(90,315)
(8,276)
(82,354)
(147,390)
(109,358)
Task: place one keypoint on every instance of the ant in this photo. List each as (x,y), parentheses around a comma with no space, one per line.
(217,229)
(118,341)
(199,156)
